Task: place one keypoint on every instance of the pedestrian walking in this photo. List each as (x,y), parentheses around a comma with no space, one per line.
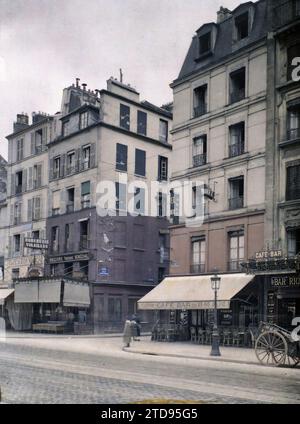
(127,333)
(137,327)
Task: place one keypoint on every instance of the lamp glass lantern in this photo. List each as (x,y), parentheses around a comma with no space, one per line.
(215,282)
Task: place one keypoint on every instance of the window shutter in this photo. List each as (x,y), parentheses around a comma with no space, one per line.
(30,178)
(62,165)
(77,160)
(92,155)
(44,138)
(11,214)
(22,244)
(9,252)
(32,143)
(62,201)
(39,175)
(24,180)
(51,164)
(37,208)
(13,184)
(29,210)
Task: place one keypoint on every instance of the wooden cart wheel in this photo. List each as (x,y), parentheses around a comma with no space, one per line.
(271,348)
(292,358)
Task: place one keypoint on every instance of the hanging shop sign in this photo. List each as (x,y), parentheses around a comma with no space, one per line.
(286,281)
(38,244)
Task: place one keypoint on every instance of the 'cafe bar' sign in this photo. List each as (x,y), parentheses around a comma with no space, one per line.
(269,254)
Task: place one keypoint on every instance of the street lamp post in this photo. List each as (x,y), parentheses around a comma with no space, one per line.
(215,285)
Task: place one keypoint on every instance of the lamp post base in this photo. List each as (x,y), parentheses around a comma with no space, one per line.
(215,350)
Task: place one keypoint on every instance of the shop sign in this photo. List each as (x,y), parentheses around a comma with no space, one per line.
(69,258)
(286,281)
(38,244)
(269,254)
(221,304)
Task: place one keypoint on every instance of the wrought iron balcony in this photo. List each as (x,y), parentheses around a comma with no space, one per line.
(236,202)
(293,133)
(197,269)
(84,243)
(200,110)
(199,160)
(286,13)
(236,149)
(235,265)
(85,204)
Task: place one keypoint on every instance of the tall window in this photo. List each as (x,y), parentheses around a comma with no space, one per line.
(293,123)
(236,139)
(139,200)
(121,157)
(70,199)
(236,187)
(140,162)
(36,204)
(19,182)
(55,202)
(163,130)
(56,167)
(293,182)
(17,213)
(121,196)
(125,117)
(162,168)
(86,194)
(200,101)
(70,163)
(37,176)
(293,239)
(84,235)
(83,120)
(86,157)
(68,238)
(162,204)
(242,26)
(65,128)
(55,239)
(198,255)
(20,149)
(200,150)
(237,85)
(236,250)
(142,122)
(17,243)
(205,43)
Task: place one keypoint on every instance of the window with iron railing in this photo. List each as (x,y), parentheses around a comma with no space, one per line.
(198,255)
(236,250)
(237,85)
(70,163)
(293,182)
(236,139)
(236,187)
(200,101)
(84,235)
(293,123)
(200,150)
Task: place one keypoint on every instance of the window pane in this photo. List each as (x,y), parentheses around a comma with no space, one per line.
(125,117)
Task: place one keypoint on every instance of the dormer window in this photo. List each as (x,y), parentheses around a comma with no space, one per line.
(242,26)
(205,43)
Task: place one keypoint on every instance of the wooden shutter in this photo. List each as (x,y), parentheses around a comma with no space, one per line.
(32,143)
(11,219)
(92,155)
(39,175)
(62,165)
(77,160)
(44,138)
(9,252)
(13,185)
(37,208)
(24,180)
(21,244)
(29,210)
(51,164)
(30,178)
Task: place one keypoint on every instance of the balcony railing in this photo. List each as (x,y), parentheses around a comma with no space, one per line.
(236,202)
(197,268)
(286,13)
(199,160)
(235,265)
(70,207)
(200,110)
(84,243)
(71,170)
(236,149)
(293,133)
(293,193)
(55,211)
(237,95)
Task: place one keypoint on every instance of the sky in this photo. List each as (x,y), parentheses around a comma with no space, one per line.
(46,44)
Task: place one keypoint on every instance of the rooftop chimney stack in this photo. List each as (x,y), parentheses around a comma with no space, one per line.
(22,122)
(84,86)
(77,82)
(223,14)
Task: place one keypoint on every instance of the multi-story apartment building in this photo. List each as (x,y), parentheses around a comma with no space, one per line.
(27,192)
(55,164)
(219,132)
(3,213)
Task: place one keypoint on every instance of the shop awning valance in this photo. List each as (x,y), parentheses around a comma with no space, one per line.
(77,295)
(193,292)
(4,293)
(38,291)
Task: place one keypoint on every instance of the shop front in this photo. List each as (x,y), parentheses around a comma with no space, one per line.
(184,308)
(46,304)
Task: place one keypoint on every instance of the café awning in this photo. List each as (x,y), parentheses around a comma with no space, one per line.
(193,292)
(77,295)
(38,291)
(4,293)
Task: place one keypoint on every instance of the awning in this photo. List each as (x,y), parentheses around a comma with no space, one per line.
(77,295)
(4,293)
(35,291)
(193,292)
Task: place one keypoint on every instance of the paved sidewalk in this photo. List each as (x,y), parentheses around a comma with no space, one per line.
(192,351)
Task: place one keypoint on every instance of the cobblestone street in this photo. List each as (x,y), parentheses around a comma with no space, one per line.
(31,374)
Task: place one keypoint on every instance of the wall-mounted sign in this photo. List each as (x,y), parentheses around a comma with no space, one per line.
(38,244)
(286,281)
(103,271)
(69,258)
(269,254)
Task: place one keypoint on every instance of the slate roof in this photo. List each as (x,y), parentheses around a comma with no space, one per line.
(224,43)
